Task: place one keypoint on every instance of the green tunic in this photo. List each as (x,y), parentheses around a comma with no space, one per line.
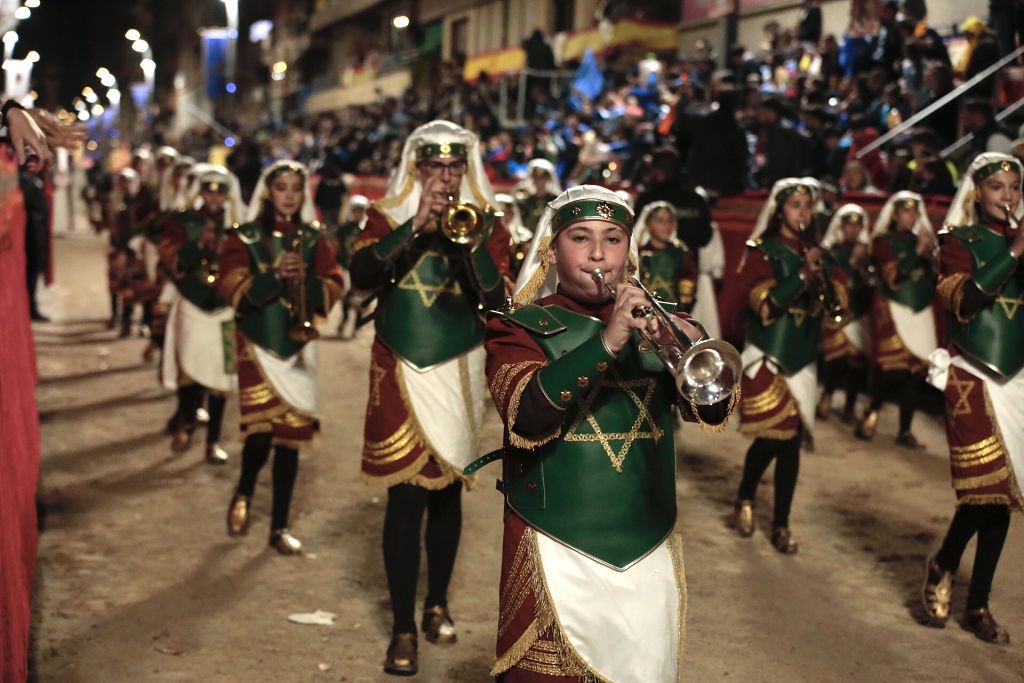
(917,282)
(190,277)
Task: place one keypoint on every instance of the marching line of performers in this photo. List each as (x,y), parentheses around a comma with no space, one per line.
(515,308)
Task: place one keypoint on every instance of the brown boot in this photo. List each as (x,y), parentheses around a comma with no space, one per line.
(985,626)
(238,515)
(868,426)
(181,440)
(783,541)
(438,626)
(283,542)
(743,518)
(401,657)
(937,592)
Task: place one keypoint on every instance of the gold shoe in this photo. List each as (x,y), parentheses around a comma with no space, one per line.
(283,542)
(937,592)
(743,519)
(181,440)
(909,440)
(238,515)
(783,541)
(867,427)
(215,455)
(438,626)
(985,627)
(401,657)
(824,406)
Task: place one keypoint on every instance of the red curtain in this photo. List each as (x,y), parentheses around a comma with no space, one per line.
(19,432)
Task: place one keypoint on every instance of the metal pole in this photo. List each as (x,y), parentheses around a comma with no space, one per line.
(521,104)
(951,95)
(1001,116)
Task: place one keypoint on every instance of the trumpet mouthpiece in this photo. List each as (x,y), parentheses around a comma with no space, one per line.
(598,275)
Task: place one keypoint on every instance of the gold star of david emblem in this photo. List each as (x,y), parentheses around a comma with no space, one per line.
(963,391)
(798,316)
(1010,305)
(643,427)
(428,291)
(916,274)
(660,284)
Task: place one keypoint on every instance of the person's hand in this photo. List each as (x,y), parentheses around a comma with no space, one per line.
(289,267)
(58,133)
(1017,246)
(622,323)
(208,237)
(925,242)
(813,264)
(433,202)
(859,254)
(25,132)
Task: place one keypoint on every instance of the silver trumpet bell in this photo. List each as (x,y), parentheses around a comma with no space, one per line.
(705,371)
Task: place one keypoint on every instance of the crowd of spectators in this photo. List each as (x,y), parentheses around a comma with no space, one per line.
(801,103)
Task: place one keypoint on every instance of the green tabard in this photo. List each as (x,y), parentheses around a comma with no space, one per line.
(917,287)
(531,208)
(268,324)
(860,292)
(188,279)
(430,312)
(662,270)
(995,336)
(792,339)
(606,486)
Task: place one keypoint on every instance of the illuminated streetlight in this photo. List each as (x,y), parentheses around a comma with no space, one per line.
(400,21)
(32,56)
(32,3)
(140,45)
(148,66)
(114,97)
(102,72)
(22,13)
(132,34)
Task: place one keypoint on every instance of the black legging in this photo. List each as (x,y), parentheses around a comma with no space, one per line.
(906,386)
(787,468)
(991,523)
(852,378)
(190,399)
(255,453)
(402,523)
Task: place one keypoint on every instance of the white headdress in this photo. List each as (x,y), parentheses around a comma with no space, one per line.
(961,211)
(884,220)
(172,192)
(771,207)
(834,233)
(134,182)
(512,218)
(166,152)
(537,279)
(527,184)
(641,235)
(307,214)
(817,189)
(403,195)
(234,207)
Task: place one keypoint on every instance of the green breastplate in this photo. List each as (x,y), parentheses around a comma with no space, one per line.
(606,486)
(430,312)
(660,271)
(531,208)
(193,284)
(995,336)
(269,326)
(859,291)
(917,288)
(792,339)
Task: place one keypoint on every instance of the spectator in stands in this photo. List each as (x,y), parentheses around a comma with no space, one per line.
(782,152)
(895,107)
(989,135)
(887,46)
(982,51)
(330,192)
(856,180)
(693,215)
(715,147)
(862,133)
(938,81)
(808,28)
(1008,18)
(932,177)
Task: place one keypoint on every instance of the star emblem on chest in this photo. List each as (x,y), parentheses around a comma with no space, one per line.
(420,280)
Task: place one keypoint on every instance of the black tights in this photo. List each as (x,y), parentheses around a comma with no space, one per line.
(905,386)
(190,399)
(787,467)
(402,523)
(255,454)
(842,373)
(991,523)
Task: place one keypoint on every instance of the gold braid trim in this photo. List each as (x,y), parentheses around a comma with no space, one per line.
(951,291)
(364,243)
(237,283)
(981,480)
(503,379)
(986,499)
(514,654)
(759,301)
(734,399)
(528,294)
(402,476)
(513,412)
(675,549)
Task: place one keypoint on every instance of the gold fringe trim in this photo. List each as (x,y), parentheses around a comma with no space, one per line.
(767,400)
(759,301)
(981,480)
(675,549)
(986,499)
(514,654)
(951,291)
(400,477)
(528,294)
(513,412)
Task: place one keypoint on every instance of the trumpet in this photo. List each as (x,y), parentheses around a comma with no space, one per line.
(462,222)
(209,262)
(825,292)
(705,371)
(302,329)
(1013,220)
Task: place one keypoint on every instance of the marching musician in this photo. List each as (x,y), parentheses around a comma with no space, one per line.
(343,237)
(533,192)
(981,286)
(846,348)
(276,271)
(592,584)
(199,344)
(427,384)
(903,252)
(667,266)
(792,287)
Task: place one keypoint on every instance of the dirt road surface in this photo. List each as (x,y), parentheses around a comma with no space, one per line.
(138,581)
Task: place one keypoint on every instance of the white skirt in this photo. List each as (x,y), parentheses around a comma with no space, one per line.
(201,345)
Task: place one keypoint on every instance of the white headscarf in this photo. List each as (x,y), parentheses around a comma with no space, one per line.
(234,207)
(402,199)
(134,182)
(527,184)
(961,211)
(172,193)
(884,219)
(641,235)
(834,233)
(307,214)
(817,189)
(771,206)
(537,279)
(512,218)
